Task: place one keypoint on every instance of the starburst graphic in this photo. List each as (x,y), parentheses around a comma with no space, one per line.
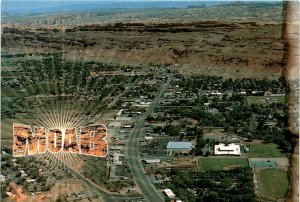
(61,114)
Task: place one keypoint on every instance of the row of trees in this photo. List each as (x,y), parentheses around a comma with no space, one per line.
(234,185)
(221,84)
(200,142)
(235,117)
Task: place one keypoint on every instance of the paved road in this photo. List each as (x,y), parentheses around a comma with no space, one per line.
(133,155)
(92,187)
(138,172)
(135,164)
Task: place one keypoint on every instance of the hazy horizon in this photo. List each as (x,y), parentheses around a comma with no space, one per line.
(53,6)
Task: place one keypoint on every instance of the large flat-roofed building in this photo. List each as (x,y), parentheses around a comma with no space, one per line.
(227,149)
(179,147)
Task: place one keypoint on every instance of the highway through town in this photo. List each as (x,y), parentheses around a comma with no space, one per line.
(133,155)
(105,196)
(134,161)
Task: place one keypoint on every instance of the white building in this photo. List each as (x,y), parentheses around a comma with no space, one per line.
(127,126)
(152,161)
(206,104)
(2,178)
(115,147)
(120,112)
(115,124)
(216,94)
(227,149)
(242,93)
(116,159)
(148,138)
(169,193)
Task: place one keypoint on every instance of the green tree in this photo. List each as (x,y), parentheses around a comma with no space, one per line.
(211,196)
(201,143)
(198,151)
(157,129)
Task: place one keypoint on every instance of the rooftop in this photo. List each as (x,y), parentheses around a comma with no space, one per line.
(227,149)
(179,145)
(169,193)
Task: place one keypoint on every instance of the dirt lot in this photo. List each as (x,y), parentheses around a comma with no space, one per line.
(61,187)
(182,162)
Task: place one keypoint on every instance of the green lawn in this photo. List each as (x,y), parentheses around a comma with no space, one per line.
(265,150)
(281,99)
(256,100)
(11,73)
(266,179)
(261,99)
(206,164)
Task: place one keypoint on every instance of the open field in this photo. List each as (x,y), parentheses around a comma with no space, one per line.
(262,99)
(266,179)
(219,135)
(30,90)
(206,164)
(60,188)
(265,150)
(70,113)
(7,64)
(7,127)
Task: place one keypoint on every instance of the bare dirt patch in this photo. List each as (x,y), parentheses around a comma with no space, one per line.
(61,187)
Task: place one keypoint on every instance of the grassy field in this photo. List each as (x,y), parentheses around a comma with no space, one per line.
(8,74)
(262,99)
(7,64)
(266,179)
(265,150)
(206,164)
(7,127)
(30,90)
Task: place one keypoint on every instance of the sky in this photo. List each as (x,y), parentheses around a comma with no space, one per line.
(59,5)
(122,0)
(48,6)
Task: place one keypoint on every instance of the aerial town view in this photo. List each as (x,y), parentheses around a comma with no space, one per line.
(179,101)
